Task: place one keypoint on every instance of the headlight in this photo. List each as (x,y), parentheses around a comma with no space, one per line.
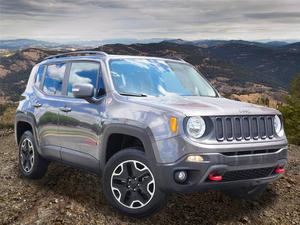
(278,126)
(195,126)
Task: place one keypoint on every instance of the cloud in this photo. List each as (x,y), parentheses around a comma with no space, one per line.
(274,15)
(189,19)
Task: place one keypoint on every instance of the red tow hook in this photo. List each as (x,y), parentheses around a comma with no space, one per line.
(279,170)
(213,177)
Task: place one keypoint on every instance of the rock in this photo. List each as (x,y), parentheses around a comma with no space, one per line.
(245,220)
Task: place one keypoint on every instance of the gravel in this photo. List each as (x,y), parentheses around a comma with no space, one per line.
(71,196)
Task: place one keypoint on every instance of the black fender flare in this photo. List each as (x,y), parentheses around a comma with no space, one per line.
(144,135)
(24,117)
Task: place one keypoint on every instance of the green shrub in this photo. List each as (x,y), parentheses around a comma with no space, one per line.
(291,113)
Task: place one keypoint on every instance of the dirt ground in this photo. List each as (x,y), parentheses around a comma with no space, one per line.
(70,196)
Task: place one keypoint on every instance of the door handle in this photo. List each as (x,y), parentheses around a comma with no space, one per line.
(37,104)
(65,109)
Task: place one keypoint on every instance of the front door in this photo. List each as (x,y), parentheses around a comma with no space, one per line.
(79,120)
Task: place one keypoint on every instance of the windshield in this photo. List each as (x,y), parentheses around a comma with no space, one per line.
(155,77)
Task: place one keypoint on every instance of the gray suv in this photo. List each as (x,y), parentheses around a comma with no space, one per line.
(150,126)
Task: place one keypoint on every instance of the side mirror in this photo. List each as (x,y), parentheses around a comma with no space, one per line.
(83,90)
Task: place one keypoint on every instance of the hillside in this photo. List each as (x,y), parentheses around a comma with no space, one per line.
(238,63)
(271,66)
(15,70)
(233,67)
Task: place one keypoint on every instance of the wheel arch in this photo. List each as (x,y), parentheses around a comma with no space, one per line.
(22,119)
(142,134)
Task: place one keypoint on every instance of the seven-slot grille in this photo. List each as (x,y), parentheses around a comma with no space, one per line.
(244,127)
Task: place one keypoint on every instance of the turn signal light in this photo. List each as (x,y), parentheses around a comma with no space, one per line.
(173,124)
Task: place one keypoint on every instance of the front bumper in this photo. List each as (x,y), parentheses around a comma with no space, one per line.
(240,170)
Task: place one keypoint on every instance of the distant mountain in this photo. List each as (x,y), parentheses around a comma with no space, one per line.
(238,62)
(19,44)
(275,66)
(233,67)
(96,43)
(276,43)
(25,43)
(294,47)
(212,43)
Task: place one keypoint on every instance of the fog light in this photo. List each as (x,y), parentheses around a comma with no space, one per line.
(180,176)
(194,158)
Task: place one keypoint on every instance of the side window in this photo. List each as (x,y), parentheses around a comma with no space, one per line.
(54,79)
(39,75)
(83,73)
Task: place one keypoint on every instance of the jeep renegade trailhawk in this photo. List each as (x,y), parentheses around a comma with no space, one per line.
(151,126)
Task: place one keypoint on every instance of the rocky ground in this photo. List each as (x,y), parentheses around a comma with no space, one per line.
(70,196)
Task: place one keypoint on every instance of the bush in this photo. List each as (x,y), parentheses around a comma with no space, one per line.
(291,113)
(7,116)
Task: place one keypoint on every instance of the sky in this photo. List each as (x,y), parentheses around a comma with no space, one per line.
(144,19)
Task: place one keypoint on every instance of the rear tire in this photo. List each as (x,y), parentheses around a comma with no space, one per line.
(248,193)
(31,164)
(130,185)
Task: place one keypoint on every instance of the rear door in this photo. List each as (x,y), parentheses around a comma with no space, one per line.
(48,99)
(80,120)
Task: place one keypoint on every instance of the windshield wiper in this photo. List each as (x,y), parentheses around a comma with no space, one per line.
(133,94)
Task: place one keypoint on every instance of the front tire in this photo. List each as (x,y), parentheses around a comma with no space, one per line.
(130,185)
(248,193)
(31,164)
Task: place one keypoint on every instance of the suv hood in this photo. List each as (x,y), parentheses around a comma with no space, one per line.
(204,106)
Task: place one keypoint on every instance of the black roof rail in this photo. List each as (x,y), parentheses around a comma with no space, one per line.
(77,53)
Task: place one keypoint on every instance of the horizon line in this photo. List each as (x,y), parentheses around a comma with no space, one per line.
(148,39)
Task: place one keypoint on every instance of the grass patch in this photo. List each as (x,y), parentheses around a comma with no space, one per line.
(7,115)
